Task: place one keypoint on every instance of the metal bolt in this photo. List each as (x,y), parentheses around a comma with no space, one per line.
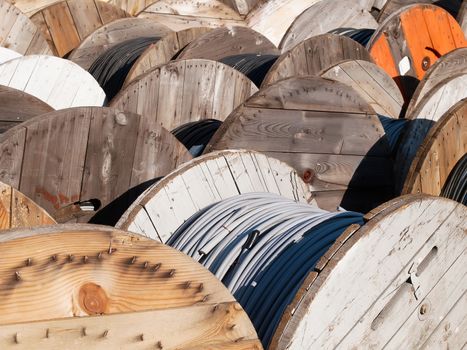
(426,63)
(423,309)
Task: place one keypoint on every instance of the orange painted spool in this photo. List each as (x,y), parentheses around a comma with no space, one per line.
(411,40)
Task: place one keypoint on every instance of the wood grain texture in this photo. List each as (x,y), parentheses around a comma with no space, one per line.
(85,153)
(55,81)
(19,33)
(443,147)
(391,6)
(224,42)
(185,91)
(462,17)
(328,16)
(413,253)
(66,23)
(372,83)
(413,39)
(86,270)
(7,54)
(164,207)
(315,55)
(19,211)
(112,34)
(163,51)
(17,106)
(322,128)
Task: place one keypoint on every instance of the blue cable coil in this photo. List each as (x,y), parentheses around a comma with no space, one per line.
(261,246)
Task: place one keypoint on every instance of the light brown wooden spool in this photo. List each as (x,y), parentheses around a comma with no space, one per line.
(372,83)
(19,33)
(66,23)
(112,34)
(314,55)
(322,128)
(163,51)
(86,153)
(137,290)
(386,283)
(184,14)
(331,15)
(462,17)
(184,91)
(224,42)
(443,147)
(17,106)
(205,181)
(17,210)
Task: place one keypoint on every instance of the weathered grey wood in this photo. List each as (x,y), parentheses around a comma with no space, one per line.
(224,42)
(326,16)
(113,33)
(462,17)
(19,33)
(322,128)
(159,211)
(315,55)
(7,54)
(185,91)
(86,153)
(372,83)
(412,253)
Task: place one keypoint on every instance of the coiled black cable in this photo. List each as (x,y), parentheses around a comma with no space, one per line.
(195,136)
(361,36)
(455,187)
(254,66)
(393,129)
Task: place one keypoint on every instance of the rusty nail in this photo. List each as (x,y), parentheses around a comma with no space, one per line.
(18,276)
(17,338)
(206,297)
(201,287)
(426,63)
(156,267)
(84,332)
(187,285)
(99,256)
(159,345)
(172,273)
(85,259)
(47,333)
(145,265)
(133,260)
(71,258)
(29,262)
(141,337)
(54,257)
(106,333)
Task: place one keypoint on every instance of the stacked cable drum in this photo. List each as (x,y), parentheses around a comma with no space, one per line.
(196,135)
(262,247)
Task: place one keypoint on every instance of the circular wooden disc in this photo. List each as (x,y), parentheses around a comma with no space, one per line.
(443,147)
(449,65)
(387,283)
(224,42)
(204,181)
(372,83)
(331,15)
(315,55)
(19,33)
(114,33)
(392,6)
(7,54)
(432,107)
(185,91)
(17,106)
(66,23)
(322,128)
(17,210)
(58,82)
(86,153)
(163,51)
(87,270)
(184,14)
(411,40)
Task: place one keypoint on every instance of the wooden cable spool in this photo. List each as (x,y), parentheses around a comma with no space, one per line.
(163,51)
(65,24)
(112,34)
(462,17)
(207,180)
(7,54)
(74,155)
(331,15)
(447,66)
(411,40)
(19,33)
(372,83)
(17,106)
(224,42)
(17,210)
(412,252)
(104,288)
(314,55)
(195,136)
(444,146)
(58,82)
(182,14)
(325,130)
(391,6)
(185,91)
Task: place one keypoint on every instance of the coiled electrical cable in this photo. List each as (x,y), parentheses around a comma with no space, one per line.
(262,247)
(195,136)
(361,36)
(455,187)
(111,68)
(254,66)
(393,129)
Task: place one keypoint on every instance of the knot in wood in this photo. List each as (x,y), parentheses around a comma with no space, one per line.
(93,299)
